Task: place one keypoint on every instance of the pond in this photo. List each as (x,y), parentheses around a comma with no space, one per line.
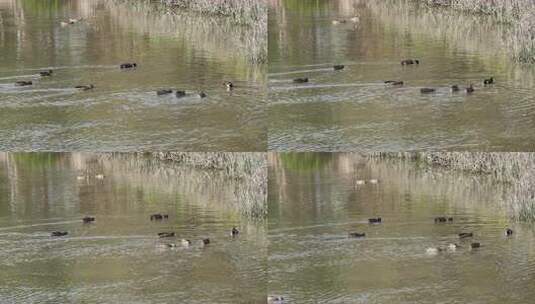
(354,110)
(119,258)
(172,49)
(315,201)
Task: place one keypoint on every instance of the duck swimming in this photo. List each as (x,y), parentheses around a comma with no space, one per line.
(355,19)
(99,176)
(59,233)
(509,232)
(440,219)
(85,87)
(374,220)
(466,235)
(394,82)
(180,94)
(455,88)
(470,89)
(206,241)
(234,231)
(335,22)
(128,65)
(229,85)
(275,300)
(201,94)
(166,234)
(357,235)
(22,83)
(360,182)
(300,80)
(88,219)
(338,67)
(427,90)
(46,73)
(475,245)
(373,181)
(156,217)
(185,243)
(489,81)
(163,92)
(410,61)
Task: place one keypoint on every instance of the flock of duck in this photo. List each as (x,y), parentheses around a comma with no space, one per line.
(399,83)
(234,232)
(438,220)
(128,66)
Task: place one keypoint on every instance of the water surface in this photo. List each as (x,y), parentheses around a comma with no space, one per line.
(314,203)
(177,50)
(119,258)
(353,110)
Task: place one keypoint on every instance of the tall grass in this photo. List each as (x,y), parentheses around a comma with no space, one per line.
(520,14)
(248,169)
(514,169)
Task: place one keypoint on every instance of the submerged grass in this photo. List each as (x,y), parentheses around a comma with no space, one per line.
(514,169)
(520,14)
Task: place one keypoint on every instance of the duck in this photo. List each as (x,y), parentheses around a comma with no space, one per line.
(373,181)
(99,176)
(74,20)
(466,235)
(22,83)
(375,220)
(201,94)
(85,87)
(470,89)
(205,242)
(80,177)
(433,250)
(170,245)
(229,85)
(300,80)
(455,88)
(357,235)
(508,232)
(440,219)
(360,182)
(180,94)
(335,22)
(156,217)
(46,73)
(65,23)
(185,242)
(234,231)
(164,92)
(475,245)
(59,233)
(427,90)
(452,247)
(394,82)
(166,234)
(450,219)
(338,67)
(275,300)
(128,65)
(88,219)
(410,61)
(488,81)
(355,19)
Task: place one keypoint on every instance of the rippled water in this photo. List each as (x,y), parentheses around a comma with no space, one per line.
(353,110)
(179,51)
(119,258)
(314,203)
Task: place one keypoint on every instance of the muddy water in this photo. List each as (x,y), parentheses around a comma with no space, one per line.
(353,110)
(314,203)
(119,258)
(173,50)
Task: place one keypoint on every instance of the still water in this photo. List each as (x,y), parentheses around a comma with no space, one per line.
(353,110)
(122,113)
(119,258)
(314,204)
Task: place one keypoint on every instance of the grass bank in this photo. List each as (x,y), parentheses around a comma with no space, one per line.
(519,14)
(514,169)
(249,169)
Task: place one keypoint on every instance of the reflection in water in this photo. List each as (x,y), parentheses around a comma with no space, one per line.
(173,50)
(312,208)
(119,258)
(353,109)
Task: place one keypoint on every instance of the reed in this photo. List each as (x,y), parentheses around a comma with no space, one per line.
(517,170)
(520,14)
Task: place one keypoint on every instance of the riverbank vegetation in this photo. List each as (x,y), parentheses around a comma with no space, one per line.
(519,14)
(514,169)
(249,169)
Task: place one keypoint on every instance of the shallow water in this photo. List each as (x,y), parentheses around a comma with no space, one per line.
(119,258)
(353,110)
(180,51)
(314,204)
